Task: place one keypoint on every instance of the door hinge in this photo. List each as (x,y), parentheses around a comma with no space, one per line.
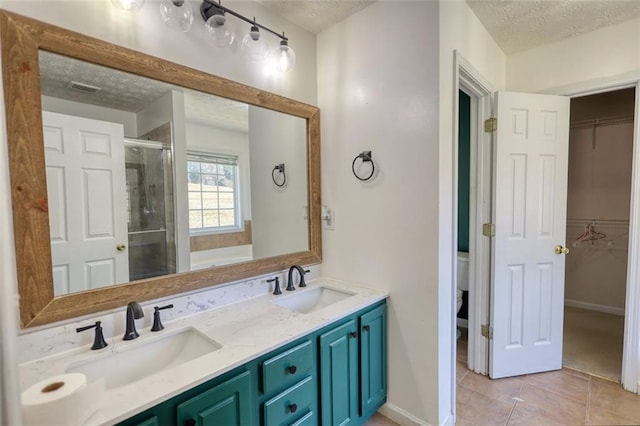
(490,124)
(486,331)
(488,229)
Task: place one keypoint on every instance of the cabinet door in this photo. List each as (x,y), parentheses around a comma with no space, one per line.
(339,374)
(228,403)
(373,359)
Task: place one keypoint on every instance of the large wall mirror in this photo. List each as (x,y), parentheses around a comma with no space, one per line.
(134,178)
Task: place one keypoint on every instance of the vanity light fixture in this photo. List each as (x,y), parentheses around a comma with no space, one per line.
(253,46)
(178,15)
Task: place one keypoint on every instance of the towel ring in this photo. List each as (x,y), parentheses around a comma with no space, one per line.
(279,168)
(366,158)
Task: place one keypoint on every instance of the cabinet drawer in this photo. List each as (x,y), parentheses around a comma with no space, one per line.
(291,405)
(287,368)
(308,420)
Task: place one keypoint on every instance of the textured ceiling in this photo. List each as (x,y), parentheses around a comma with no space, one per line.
(315,15)
(132,93)
(518,25)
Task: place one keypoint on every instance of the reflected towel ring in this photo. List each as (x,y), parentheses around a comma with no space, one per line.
(366,158)
(279,168)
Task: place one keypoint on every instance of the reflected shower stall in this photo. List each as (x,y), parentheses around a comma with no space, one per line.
(150,209)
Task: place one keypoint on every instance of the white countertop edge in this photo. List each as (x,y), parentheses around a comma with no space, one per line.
(246,329)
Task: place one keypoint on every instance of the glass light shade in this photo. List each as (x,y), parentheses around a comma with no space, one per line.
(176,14)
(128,5)
(253,46)
(220,31)
(283,57)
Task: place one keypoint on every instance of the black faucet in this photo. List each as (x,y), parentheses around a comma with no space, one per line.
(276,287)
(98,339)
(157,323)
(290,286)
(134,312)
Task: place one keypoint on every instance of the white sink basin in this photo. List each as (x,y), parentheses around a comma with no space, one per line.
(140,360)
(310,300)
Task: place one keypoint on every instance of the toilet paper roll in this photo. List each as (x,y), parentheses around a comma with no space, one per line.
(60,400)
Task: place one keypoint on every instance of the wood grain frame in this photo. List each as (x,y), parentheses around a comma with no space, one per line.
(21,38)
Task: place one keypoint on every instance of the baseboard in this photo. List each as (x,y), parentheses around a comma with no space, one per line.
(594,307)
(400,416)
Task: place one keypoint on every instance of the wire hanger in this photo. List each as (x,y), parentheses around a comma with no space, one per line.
(590,234)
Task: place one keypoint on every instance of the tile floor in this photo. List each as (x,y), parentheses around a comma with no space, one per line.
(564,397)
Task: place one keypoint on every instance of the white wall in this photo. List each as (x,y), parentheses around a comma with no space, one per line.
(599,55)
(156,114)
(78,109)
(460,30)
(278,223)
(378,90)
(145,32)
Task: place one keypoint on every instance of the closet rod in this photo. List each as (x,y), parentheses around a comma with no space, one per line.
(602,121)
(598,222)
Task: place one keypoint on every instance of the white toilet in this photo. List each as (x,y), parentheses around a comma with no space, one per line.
(463,279)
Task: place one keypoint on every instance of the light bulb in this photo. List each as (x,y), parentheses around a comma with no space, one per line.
(176,14)
(253,46)
(128,5)
(283,57)
(218,28)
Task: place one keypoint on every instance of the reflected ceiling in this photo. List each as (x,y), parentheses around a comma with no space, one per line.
(132,93)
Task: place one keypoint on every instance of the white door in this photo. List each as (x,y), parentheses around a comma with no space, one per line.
(530,191)
(87,199)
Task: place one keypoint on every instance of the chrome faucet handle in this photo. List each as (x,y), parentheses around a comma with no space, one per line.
(276,287)
(98,340)
(157,324)
(134,312)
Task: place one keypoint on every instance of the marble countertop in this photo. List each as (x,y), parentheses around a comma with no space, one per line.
(245,330)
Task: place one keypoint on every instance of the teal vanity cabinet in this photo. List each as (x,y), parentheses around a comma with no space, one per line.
(288,385)
(333,376)
(353,373)
(226,400)
(228,403)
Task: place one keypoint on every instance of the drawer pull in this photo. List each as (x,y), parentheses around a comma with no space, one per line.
(354,334)
(293,408)
(365,327)
(189,422)
(292,369)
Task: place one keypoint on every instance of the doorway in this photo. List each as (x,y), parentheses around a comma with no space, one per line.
(598,205)
(478,346)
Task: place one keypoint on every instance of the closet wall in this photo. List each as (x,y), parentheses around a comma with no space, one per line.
(598,199)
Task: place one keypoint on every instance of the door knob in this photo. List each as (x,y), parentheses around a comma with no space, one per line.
(561,250)
(121,247)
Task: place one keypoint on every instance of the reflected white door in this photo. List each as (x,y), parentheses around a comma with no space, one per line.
(527,292)
(87,199)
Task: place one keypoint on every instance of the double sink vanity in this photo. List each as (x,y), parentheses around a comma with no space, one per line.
(316,355)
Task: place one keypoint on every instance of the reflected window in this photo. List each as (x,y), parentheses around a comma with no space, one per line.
(213,192)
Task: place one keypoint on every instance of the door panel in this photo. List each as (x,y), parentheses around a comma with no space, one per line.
(86,191)
(527,295)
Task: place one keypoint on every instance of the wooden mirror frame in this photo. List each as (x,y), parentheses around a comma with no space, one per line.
(22,38)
